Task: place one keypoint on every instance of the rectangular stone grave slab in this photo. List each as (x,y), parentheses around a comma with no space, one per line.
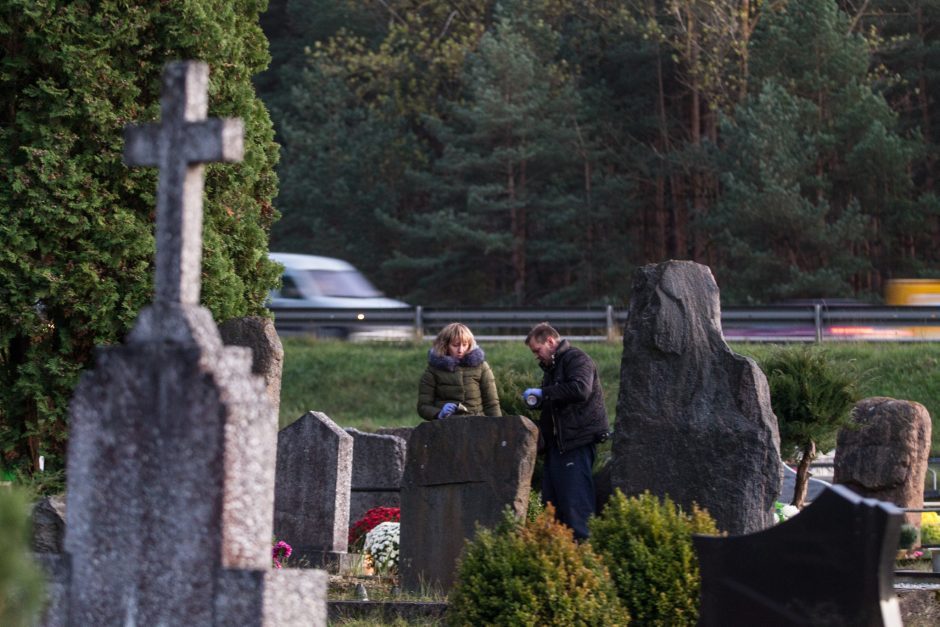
(460,472)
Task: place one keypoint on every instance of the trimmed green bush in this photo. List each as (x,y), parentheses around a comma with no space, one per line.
(908,537)
(21,582)
(532,573)
(647,546)
(930,535)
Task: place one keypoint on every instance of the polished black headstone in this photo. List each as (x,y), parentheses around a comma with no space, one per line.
(833,564)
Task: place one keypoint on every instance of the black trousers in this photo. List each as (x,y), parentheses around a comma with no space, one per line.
(567,483)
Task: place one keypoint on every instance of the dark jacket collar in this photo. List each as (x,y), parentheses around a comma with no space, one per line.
(562,347)
(445,362)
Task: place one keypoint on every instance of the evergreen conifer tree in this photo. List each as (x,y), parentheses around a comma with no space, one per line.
(816,177)
(501,194)
(77,223)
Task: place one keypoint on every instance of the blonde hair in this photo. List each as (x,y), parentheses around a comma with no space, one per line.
(453,331)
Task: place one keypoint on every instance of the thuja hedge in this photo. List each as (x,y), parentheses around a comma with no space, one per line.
(77,225)
(532,573)
(646,543)
(639,565)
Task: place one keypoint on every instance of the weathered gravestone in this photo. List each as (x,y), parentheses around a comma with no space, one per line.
(694,420)
(172,439)
(48,522)
(402,432)
(267,352)
(377,468)
(830,565)
(311,502)
(459,472)
(883,452)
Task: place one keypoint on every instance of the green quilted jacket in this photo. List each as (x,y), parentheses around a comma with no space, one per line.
(469,382)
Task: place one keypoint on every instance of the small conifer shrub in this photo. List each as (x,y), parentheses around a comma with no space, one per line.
(532,573)
(647,547)
(21,581)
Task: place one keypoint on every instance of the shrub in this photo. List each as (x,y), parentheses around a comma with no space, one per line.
(908,537)
(21,583)
(536,507)
(76,264)
(647,546)
(509,385)
(532,573)
(812,396)
(930,535)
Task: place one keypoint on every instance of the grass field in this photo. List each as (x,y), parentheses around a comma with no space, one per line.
(373,385)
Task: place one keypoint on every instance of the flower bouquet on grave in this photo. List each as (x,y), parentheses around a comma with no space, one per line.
(381,547)
(371,519)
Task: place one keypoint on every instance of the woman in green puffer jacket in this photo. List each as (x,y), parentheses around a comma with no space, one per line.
(457,380)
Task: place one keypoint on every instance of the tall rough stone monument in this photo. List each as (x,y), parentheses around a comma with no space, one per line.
(883,452)
(175,428)
(694,419)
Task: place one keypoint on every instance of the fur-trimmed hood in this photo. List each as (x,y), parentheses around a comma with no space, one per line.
(445,362)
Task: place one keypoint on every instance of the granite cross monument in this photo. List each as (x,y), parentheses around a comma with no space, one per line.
(175,428)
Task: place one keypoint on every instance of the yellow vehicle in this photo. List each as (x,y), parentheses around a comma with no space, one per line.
(915,293)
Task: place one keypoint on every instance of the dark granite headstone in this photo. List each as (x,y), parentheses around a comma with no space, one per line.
(460,472)
(402,432)
(883,452)
(832,564)
(694,420)
(377,468)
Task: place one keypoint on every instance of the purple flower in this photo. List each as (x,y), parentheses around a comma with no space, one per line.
(281,551)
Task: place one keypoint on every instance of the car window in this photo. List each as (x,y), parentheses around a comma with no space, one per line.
(289,288)
(344,283)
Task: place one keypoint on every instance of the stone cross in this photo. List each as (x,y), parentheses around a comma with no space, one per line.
(179,146)
(172,439)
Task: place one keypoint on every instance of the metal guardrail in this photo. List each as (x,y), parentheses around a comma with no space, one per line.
(810,323)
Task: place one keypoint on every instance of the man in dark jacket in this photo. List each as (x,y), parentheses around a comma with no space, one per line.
(573,419)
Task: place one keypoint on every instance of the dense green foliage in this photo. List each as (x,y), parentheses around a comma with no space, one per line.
(647,546)
(812,398)
(21,582)
(815,173)
(524,152)
(532,573)
(77,225)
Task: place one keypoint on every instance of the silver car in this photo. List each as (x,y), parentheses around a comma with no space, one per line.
(329,297)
